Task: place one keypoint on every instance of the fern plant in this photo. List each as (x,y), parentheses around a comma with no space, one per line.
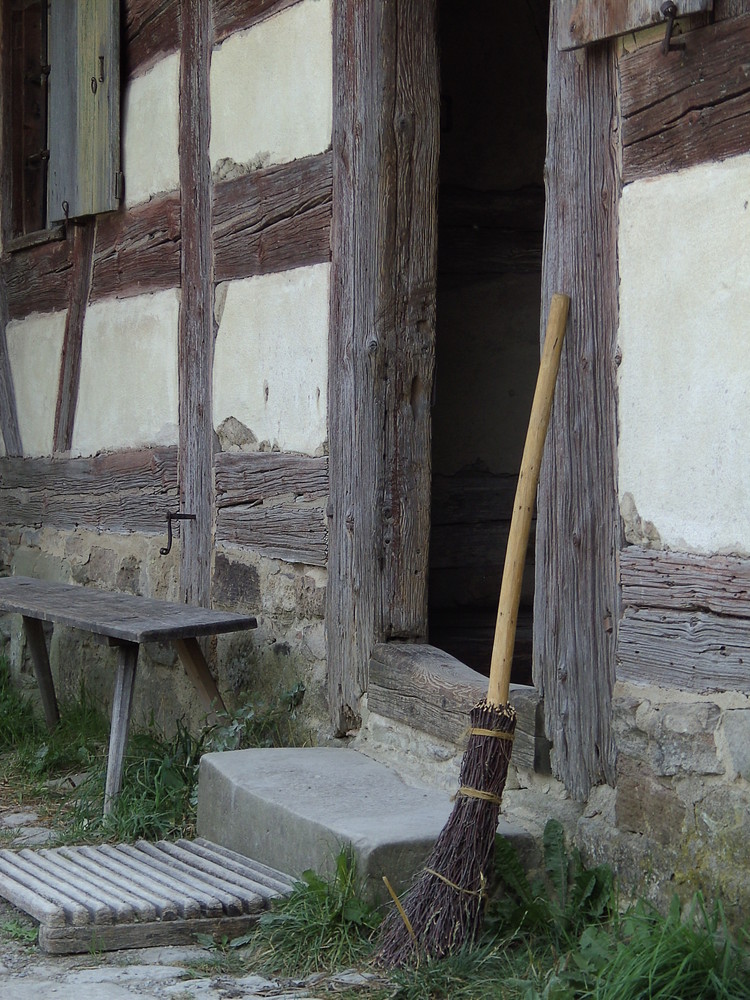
(562,901)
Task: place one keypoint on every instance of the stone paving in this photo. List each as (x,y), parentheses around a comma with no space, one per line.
(176,973)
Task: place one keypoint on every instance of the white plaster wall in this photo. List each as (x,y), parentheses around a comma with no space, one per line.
(684,380)
(35,347)
(271,360)
(150,155)
(271,89)
(128,390)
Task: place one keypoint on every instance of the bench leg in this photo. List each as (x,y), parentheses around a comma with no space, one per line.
(127,659)
(196,668)
(35,638)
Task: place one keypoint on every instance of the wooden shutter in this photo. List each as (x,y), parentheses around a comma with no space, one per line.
(584,21)
(84,108)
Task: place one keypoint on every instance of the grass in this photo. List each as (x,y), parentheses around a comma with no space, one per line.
(160,774)
(558,936)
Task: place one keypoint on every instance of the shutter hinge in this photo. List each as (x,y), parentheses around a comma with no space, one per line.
(119,185)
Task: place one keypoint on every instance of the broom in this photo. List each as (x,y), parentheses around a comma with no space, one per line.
(442,911)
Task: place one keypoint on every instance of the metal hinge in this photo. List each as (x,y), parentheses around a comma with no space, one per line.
(119,185)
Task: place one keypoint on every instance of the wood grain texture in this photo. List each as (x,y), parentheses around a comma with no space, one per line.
(196,333)
(260,477)
(730,8)
(584,21)
(151,31)
(428,689)
(689,107)
(138,250)
(273,503)
(407,276)
(273,219)
(578,530)
(692,651)
(355,363)
(677,581)
(127,618)
(8,412)
(38,280)
(381,347)
(70,361)
(236,15)
(35,637)
(123,491)
(292,531)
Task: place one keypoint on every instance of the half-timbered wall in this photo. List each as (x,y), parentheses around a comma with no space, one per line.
(174,354)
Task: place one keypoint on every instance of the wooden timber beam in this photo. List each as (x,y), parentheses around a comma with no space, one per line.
(70,362)
(576,606)
(196,323)
(382,326)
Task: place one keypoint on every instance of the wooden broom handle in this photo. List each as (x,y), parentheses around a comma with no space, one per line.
(523,506)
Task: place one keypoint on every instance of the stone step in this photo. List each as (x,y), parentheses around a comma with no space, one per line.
(294,809)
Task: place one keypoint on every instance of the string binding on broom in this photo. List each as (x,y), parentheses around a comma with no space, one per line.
(459,888)
(477,793)
(498,734)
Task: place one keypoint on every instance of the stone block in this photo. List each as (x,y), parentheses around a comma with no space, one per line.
(736,733)
(647,803)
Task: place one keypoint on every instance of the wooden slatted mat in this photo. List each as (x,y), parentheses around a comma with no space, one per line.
(137,895)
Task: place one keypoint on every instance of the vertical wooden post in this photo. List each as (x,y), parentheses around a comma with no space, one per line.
(381,347)
(576,606)
(195,352)
(8,412)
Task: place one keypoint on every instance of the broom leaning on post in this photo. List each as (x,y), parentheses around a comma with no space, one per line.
(443,909)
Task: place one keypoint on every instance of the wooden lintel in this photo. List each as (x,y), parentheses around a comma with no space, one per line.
(236,15)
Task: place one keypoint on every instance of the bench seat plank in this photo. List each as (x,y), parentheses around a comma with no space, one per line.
(118,616)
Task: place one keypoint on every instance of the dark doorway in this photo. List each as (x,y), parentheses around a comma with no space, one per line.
(491,215)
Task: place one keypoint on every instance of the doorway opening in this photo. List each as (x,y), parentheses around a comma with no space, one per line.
(493,60)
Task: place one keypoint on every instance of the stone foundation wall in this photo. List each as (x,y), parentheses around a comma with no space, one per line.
(678,819)
(287,647)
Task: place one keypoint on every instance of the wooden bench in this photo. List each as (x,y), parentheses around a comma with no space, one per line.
(124,621)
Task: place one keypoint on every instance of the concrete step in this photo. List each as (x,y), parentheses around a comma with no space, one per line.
(294,809)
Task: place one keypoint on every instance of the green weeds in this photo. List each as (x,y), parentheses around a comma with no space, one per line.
(160,774)
(323,925)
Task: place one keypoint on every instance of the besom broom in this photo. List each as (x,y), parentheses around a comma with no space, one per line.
(443,909)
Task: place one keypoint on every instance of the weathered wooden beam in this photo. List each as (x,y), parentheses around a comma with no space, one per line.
(730,8)
(151,31)
(578,529)
(292,531)
(381,347)
(8,411)
(406,274)
(70,361)
(138,250)
(236,15)
(273,503)
(196,335)
(428,689)
(582,22)
(355,365)
(688,107)
(38,279)
(258,477)
(273,219)
(123,491)
(675,581)
(692,651)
